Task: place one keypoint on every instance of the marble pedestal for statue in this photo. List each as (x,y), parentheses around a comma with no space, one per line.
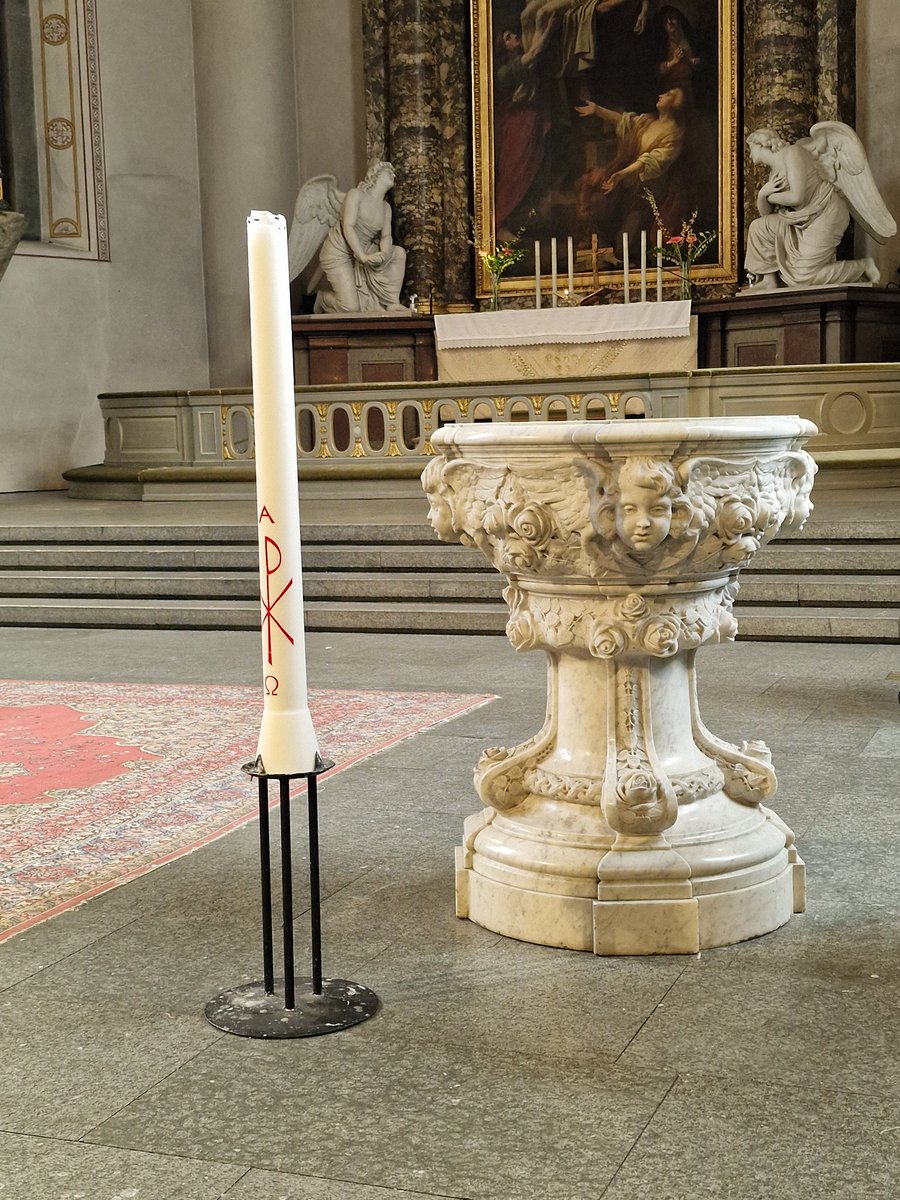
(624,826)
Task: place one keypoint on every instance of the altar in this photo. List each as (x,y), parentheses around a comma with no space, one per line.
(561,343)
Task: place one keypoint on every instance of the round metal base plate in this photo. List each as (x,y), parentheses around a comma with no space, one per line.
(249,1011)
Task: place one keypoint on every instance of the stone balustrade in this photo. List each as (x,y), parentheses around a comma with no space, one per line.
(179,439)
(358,421)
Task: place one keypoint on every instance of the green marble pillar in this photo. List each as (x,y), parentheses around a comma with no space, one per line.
(836,61)
(416,61)
(779,46)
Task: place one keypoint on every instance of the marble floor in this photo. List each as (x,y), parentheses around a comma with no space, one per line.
(495,1069)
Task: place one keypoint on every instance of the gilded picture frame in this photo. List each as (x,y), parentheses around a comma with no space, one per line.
(567,93)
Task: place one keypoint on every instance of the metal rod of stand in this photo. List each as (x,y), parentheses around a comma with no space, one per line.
(265,874)
(253,1009)
(315,903)
(287,893)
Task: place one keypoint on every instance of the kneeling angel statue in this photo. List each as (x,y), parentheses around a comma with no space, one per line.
(351,232)
(814,186)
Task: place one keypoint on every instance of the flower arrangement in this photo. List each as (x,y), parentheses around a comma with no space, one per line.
(500,258)
(683,249)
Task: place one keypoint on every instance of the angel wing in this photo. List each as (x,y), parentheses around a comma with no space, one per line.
(841,159)
(317,209)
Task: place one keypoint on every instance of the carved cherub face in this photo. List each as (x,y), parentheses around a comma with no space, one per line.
(643,517)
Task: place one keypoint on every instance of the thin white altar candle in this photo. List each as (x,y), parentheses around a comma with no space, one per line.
(659,264)
(571,253)
(626,295)
(537,274)
(643,265)
(287,740)
(553,272)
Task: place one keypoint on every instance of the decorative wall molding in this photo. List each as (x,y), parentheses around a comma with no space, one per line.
(70,131)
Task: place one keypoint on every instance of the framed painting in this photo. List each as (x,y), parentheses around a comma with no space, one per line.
(581,107)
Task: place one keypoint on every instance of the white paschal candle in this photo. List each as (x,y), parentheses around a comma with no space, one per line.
(625,266)
(553,272)
(643,265)
(537,274)
(571,253)
(287,740)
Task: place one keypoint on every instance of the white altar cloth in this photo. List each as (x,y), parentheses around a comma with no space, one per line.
(536,326)
(560,342)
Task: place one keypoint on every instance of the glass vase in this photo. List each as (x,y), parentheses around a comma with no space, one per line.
(494,303)
(684,281)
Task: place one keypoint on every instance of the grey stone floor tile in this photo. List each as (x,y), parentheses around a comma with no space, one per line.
(760,1020)
(61,936)
(143,656)
(33,1168)
(436,751)
(379,784)
(578,1009)
(885,743)
(864,816)
(505,722)
(83,1038)
(276,1185)
(798,1138)
(399,1112)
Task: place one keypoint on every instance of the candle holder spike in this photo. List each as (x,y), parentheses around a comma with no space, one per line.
(311,1005)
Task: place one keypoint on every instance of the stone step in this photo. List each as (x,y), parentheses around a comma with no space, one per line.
(875,558)
(438,617)
(245,585)
(836,589)
(864,590)
(238,558)
(756,622)
(856,558)
(760,623)
(884,530)
(185,535)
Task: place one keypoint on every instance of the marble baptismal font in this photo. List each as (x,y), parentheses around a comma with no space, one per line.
(625,826)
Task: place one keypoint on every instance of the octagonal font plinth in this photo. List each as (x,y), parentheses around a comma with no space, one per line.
(624,826)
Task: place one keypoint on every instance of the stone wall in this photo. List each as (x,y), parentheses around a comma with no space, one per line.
(72,328)
(878,116)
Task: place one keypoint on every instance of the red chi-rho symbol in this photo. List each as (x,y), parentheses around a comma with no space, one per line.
(273,559)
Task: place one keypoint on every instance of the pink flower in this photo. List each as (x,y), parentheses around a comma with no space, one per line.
(675,241)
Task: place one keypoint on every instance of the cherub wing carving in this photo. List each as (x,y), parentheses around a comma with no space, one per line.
(473,486)
(841,159)
(565,490)
(317,209)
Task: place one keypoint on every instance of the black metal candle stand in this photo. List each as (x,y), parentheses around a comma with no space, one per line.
(308,1005)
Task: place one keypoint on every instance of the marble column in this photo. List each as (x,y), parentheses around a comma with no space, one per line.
(417,83)
(836,61)
(247,137)
(779,46)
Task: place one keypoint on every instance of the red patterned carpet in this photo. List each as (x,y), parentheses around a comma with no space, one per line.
(102,782)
